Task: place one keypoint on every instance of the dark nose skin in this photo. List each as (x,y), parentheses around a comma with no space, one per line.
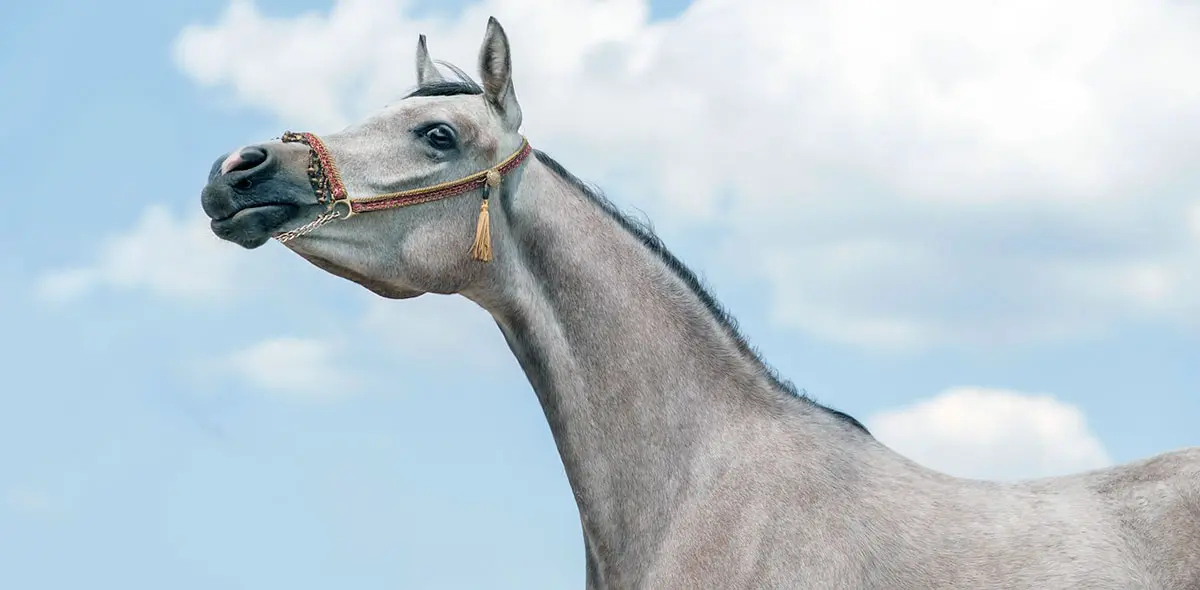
(250,158)
(246,160)
(256,190)
(234,181)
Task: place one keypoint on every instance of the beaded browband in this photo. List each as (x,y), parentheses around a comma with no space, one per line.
(327,183)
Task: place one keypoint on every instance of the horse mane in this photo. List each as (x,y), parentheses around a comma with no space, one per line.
(644,231)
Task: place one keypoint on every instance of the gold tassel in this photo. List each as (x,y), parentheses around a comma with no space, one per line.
(482,248)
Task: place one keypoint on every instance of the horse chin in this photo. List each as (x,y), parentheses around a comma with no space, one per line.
(253,226)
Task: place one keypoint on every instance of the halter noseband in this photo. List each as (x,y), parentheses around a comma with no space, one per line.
(327,183)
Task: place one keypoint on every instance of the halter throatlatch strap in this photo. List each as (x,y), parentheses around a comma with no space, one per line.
(327,183)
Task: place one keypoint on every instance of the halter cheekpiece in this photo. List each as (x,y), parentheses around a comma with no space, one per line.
(327,183)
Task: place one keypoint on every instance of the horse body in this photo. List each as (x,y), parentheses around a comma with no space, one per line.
(898,525)
(693,468)
(692,463)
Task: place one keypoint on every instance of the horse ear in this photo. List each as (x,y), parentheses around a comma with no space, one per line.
(495,69)
(426,72)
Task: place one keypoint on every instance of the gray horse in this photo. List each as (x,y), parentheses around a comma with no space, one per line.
(692,463)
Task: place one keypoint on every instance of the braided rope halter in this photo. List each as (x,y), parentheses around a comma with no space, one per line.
(327,183)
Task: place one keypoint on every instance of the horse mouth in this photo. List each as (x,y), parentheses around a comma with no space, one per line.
(253,209)
(251,227)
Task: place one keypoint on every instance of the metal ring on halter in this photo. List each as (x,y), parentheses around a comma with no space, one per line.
(349,207)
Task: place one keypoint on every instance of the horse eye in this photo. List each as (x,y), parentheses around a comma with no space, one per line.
(440,137)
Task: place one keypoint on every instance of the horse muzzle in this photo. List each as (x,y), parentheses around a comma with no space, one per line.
(254,191)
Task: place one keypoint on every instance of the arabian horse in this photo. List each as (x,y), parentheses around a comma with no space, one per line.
(692,463)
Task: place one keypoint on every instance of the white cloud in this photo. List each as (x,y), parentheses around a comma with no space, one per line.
(992,434)
(942,173)
(168,255)
(306,368)
(26,500)
(445,330)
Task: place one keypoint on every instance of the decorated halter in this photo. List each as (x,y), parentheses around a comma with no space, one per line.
(327,183)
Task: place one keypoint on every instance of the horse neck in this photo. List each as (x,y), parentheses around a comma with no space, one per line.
(641,382)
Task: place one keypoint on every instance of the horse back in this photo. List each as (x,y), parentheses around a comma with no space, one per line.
(1156,504)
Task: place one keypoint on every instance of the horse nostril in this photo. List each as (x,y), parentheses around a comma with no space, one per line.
(249,158)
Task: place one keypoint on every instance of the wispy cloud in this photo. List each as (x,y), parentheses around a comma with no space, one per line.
(430,331)
(302,368)
(435,329)
(27,500)
(176,257)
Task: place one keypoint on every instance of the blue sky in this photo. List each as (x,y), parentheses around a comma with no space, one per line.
(144,442)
